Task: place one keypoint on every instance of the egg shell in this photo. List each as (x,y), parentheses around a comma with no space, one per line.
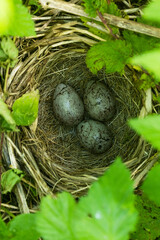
(94,136)
(98,101)
(67,105)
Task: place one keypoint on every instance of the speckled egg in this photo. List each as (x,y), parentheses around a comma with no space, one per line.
(98,101)
(67,105)
(94,136)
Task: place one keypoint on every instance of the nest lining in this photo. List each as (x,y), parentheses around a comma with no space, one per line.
(61,142)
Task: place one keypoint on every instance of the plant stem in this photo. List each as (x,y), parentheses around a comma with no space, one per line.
(106,24)
(6,77)
(1,147)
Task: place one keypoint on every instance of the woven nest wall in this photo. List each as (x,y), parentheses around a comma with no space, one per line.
(49,152)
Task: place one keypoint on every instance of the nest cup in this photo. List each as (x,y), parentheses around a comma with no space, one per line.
(50,152)
(59,141)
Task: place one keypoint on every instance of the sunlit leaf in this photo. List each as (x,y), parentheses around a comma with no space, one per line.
(25,108)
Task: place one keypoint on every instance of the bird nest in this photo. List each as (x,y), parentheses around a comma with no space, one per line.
(48,151)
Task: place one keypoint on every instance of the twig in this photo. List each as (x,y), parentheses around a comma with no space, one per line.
(106,25)
(111,19)
(6,78)
(1,147)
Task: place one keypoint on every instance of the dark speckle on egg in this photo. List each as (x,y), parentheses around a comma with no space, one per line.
(98,101)
(94,136)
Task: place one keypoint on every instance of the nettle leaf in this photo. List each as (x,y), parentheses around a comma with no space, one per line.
(150,61)
(109,206)
(113,55)
(149,128)
(15,19)
(56,218)
(140,43)
(24,227)
(9,48)
(8,52)
(92,6)
(22,23)
(25,108)
(10,178)
(148,222)
(151,12)
(7,123)
(151,184)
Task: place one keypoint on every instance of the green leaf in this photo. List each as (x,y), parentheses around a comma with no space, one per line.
(25,109)
(34,2)
(22,23)
(149,128)
(151,12)
(148,222)
(151,185)
(140,43)
(24,227)
(56,217)
(10,178)
(150,61)
(6,15)
(113,55)
(109,206)
(7,123)
(3,56)
(8,52)
(15,19)
(9,48)
(4,233)
(91,7)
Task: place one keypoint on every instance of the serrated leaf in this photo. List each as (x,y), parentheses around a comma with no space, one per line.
(151,185)
(56,217)
(92,6)
(22,23)
(150,61)
(109,206)
(140,43)
(152,10)
(10,178)
(9,48)
(7,123)
(24,227)
(113,55)
(148,222)
(149,128)
(15,19)
(25,109)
